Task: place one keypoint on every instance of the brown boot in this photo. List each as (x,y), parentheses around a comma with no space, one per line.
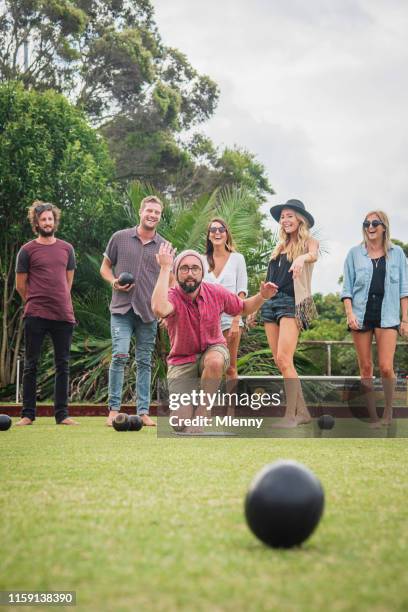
(24,421)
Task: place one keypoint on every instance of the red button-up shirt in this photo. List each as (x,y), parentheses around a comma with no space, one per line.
(193,326)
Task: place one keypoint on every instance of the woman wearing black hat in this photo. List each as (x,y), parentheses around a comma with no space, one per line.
(292,309)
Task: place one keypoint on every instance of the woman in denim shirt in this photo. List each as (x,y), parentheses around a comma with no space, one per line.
(375,290)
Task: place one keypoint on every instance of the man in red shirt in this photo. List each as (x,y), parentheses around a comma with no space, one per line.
(44,274)
(192,310)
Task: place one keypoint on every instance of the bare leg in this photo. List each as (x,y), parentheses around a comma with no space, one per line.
(272,335)
(233,341)
(213,370)
(182,382)
(363,345)
(303,415)
(283,342)
(386,343)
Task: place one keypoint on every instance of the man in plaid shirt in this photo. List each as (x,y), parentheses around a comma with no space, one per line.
(133,250)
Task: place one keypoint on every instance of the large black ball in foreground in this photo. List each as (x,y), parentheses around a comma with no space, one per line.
(5,422)
(284,504)
(121,422)
(326,421)
(135,422)
(126,278)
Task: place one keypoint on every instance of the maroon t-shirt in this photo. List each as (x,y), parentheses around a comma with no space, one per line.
(48,294)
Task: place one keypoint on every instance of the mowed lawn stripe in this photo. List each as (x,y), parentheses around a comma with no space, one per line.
(131,522)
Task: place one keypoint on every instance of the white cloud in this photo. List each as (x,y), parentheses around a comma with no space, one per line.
(318,91)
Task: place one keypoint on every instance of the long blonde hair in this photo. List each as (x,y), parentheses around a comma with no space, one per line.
(383,217)
(299,246)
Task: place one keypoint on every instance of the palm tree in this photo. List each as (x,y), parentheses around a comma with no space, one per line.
(184,225)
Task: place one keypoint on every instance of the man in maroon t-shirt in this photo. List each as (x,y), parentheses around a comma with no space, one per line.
(44,274)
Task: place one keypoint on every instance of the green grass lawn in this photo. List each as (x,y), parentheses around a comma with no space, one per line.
(132,522)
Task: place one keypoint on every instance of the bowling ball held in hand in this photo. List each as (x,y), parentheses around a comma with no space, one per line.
(126,278)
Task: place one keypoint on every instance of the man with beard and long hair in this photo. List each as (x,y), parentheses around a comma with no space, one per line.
(133,250)
(44,274)
(192,312)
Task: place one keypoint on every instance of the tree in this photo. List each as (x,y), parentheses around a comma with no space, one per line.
(48,152)
(183,225)
(108,58)
(107,55)
(403,246)
(209,168)
(330,307)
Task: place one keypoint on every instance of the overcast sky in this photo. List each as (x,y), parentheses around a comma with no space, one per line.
(318,90)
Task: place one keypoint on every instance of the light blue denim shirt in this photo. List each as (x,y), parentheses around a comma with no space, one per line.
(358,272)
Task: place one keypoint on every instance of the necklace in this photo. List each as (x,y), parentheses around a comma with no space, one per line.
(377,260)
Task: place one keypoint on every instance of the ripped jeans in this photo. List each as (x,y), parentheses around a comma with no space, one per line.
(122,328)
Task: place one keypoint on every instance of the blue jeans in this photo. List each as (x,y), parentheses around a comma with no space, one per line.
(122,328)
(282,305)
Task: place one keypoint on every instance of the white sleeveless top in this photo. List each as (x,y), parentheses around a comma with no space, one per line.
(233,277)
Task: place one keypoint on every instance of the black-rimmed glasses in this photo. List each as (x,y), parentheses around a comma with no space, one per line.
(194,269)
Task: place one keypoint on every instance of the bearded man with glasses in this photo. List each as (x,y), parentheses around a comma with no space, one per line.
(192,312)
(44,274)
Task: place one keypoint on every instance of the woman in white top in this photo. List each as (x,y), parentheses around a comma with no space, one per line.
(227,268)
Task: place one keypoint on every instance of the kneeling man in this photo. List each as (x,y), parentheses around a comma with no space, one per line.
(192,311)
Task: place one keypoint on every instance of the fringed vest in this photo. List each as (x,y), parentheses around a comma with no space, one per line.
(305,309)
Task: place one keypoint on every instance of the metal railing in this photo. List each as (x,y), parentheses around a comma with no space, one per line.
(329,343)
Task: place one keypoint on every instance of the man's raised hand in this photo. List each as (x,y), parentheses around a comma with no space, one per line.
(165,256)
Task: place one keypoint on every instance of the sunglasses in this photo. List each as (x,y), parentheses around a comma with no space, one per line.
(194,269)
(42,207)
(213,229)
(375,224)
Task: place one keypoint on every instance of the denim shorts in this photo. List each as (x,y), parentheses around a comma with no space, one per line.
(372,317)
(282,305)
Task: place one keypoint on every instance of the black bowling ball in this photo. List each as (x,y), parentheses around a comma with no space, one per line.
(326,421)
(126,278)
(284,504)
(121,422)
(5,422)
(135,423)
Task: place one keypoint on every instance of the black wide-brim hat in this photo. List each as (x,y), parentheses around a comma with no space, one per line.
(296,205)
